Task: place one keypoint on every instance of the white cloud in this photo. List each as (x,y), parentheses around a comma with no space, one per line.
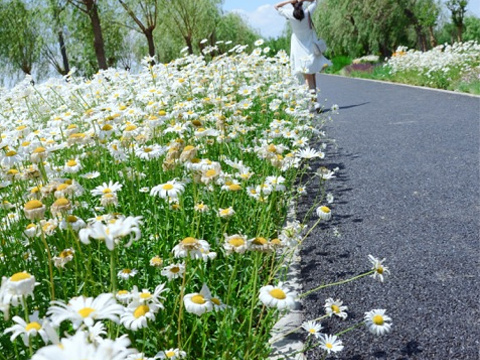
(265,19)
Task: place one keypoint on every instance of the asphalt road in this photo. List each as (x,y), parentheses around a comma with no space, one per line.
(407,191)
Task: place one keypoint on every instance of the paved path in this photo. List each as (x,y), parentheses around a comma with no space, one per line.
(407,190)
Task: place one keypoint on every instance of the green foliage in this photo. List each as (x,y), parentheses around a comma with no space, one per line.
(20,41)
(472,29)
(339,62)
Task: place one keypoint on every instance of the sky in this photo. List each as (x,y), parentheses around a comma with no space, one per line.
(262,16)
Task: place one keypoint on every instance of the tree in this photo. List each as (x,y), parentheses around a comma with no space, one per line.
(149,10)
(20,42)
(54,11)
(90,8)
(472,29)
(194,20)
(458,9)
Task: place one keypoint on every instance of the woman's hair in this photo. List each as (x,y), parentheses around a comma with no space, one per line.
(298,12)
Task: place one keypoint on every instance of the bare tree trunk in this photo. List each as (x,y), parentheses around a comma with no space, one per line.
(151,44)
(433,40)
(98,43)
(63,51)
(188,40)
(459,32)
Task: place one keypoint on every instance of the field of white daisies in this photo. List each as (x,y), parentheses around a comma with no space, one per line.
(144,215)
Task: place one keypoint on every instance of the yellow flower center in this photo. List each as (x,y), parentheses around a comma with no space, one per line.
(162,113)
(66,253)
(107,127)
(147,150)
(71,163)
(141,311)
(189,241)
(188,148)
(39,150)
(378,320)
(33,204)
(20,276)
(107,191)
(62,186)
(33,326)
(236,241)
(278,294)
(85,312)
(235,187)
(198,299)
(210,173)
(170,354)
(276,242)
(157,261)
(325,209)
(167,187)
(335,309)
(145,295)
(29,226)
(61,202)
(216,301)
(72,219)
(271,148)
(11,153)
(126,271)
(122,292)
(174,269)
(329,345)
(260,241)
(21,127)
(130,127)
(380,269)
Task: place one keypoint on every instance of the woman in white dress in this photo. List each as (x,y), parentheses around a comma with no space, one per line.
(302,55)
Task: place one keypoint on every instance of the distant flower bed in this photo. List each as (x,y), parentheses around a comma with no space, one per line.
(441,65)
(144,216)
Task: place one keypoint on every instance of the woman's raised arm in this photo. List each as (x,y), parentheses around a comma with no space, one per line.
(283,3)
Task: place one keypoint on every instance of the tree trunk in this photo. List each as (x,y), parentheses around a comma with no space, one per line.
(459,32)
(151,45)
(98,43)
(188,40)
(433,40)
(63,51)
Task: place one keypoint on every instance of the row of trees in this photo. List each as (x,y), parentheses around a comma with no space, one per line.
(93,34)
(38,36)
(358,27)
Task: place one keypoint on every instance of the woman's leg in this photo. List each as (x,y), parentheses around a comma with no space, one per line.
(310,81)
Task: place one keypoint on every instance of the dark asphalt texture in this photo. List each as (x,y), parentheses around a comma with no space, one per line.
(407,191)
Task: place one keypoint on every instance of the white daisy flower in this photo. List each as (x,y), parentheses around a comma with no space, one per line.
(72,166)
(170,190)
(136,315)
(173,271)
(377,322)
(172,354)
(18,286)
(126,274)
(105,188)
(27,330)
(324,213)
(380,269)
(331,343)
(198,303)
(191,246)
(226,213)
(90,175)
(235,244)
(313,328)
(277,296)
(335,307)
(85,310)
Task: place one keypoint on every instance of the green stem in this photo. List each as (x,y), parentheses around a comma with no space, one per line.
(335,283)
